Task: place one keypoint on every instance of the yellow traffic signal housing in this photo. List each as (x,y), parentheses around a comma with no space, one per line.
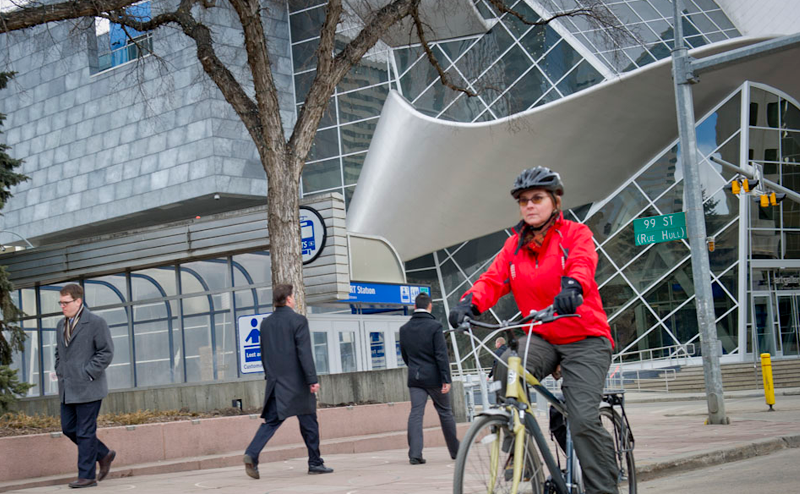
(764,201)
(736,187)
(745,185)
(772,200)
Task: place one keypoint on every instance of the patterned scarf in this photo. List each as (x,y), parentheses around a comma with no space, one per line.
(538,234)
(69,328)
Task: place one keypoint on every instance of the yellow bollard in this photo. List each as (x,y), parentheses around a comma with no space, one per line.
(766,372)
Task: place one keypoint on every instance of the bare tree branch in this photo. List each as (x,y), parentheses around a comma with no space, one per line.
(36,14)
(443,78)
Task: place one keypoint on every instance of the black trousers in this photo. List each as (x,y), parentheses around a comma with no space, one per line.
(309,429)
(441,401)
(79,424)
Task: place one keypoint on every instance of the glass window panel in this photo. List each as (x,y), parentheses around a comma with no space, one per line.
(295,5)
(760,100)
(304,55)
(225,345)
(351,166)
(425,261)
(615,294)
(307,24)
(368,72)
(26,363)
(464,109)
(200,276)
(654,263)
(421,75)
(245,305)
(157,340)
(582,77)
(730,153)
(356,137)
(153,283)
(106,290)
(119,372)
(726,249)
(437,97)
(683,324)
(452,277)
(703,23)
(728,328)
(49,296)
(25,300)
(790,147)
(789,116)
(638,54)
(792,245)
(672,291)
(347,351)
(664,7)
(624,13)
(605,269)
(622,208)
(622,247)
(359,105)
(629,325)
(326,145)
(661,174)
(716,36)
(764,244)
(454,49)
(551,95)
(524,93)
(405,57)
(377,345)
(348,196)
(538,40)
(328,116)
(672,200)
(302,84)
(477,252)
(644,9)
(719,126)
(321,175)
(559,61)
(484,53)
(720,19)
(514,24)
(197,338)
(720,210)
(398,353)
(252,268)
(319,342)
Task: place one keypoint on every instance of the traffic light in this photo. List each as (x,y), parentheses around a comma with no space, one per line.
(736,187)
(764,200)
(774,198)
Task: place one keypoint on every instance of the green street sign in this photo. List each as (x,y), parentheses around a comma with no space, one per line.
(658,229)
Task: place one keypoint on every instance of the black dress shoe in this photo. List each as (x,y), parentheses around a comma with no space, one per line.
(417,461)
(77,484)
(318,469)
(105,464)
(250,467)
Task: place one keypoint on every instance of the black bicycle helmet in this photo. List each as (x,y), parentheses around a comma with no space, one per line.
(538,177)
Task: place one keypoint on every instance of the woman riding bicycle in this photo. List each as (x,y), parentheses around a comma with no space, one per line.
(551,260)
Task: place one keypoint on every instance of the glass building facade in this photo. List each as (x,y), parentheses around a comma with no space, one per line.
(176,323)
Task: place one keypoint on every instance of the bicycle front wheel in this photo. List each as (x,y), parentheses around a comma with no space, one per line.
(623,449)
(485,462)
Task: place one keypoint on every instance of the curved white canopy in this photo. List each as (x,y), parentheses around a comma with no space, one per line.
(427,183)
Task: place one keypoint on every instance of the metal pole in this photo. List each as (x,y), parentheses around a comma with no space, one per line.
(695,222)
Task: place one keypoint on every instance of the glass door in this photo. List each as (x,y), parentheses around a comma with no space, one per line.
(763,322)
(789,322)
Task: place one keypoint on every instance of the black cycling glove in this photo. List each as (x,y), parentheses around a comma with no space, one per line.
(463,309)
(570,298)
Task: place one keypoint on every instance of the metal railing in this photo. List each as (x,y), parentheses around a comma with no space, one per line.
(672,354)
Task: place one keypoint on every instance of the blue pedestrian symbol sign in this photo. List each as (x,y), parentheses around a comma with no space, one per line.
(250,343)
(312,234)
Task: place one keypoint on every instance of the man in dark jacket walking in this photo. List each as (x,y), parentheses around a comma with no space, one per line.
(291,381)
(83,352)
(424,351)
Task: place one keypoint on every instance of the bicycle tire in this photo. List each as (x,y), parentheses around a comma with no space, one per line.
(623,449)
(473,464)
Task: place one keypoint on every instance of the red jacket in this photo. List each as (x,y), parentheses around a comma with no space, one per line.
(533,274)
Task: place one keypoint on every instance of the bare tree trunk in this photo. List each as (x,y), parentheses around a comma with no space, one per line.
(283,216)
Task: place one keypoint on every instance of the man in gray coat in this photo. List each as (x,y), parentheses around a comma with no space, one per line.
(83,351)
(291,381)
(424,351)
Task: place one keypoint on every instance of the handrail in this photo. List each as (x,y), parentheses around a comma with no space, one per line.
(674,352)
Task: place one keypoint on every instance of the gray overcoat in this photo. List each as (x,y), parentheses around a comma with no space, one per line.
(288,363)
(81,366)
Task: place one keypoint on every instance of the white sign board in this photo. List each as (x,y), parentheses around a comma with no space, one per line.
(250,343)
(312,234)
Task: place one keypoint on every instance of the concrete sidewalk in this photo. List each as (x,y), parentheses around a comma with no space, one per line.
(669,430)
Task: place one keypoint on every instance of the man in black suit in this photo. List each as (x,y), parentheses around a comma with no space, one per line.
(424,351)
(291,381)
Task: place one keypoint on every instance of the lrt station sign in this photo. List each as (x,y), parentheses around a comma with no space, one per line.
(657,229)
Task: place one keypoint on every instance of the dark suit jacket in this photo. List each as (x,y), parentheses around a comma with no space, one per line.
(288,363)
(424,351)
(81,366)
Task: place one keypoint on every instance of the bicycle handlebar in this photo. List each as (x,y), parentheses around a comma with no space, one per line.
(544,316)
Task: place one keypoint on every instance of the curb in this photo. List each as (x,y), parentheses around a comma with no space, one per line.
(762,447)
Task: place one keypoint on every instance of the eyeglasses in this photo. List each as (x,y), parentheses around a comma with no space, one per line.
(64,304)
(537,199)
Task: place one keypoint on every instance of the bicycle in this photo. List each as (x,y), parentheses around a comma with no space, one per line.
(502,451)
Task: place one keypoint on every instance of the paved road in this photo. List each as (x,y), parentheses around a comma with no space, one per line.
(772,473)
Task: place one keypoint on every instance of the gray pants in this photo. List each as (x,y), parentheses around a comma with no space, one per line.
(441,401)
(584,365)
